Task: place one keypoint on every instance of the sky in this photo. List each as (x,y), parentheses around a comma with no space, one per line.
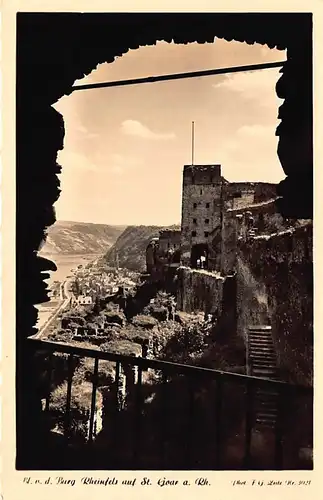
(125,147)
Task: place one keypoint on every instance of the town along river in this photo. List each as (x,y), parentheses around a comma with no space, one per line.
(65,264)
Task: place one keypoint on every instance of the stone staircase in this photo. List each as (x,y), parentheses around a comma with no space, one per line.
(261,362)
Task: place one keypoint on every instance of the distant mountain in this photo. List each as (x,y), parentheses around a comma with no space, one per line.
(66,237)
(131,246)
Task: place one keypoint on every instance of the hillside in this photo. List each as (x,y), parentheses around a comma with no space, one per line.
(131,247)
(67,238)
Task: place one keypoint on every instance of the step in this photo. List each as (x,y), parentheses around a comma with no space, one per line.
(260,334)
(262,415)
(259,330)
(265,352)
(271,412)
(261,353)
(265,418)
(262,359)
(263,371)
(264,368)
(265,363)
(261,408)
(265,403)
(259,338)
(257,371)
(259,327)
(265,423)
(269,393)
(261,348)
(270,399)
(262,364)
(260,341)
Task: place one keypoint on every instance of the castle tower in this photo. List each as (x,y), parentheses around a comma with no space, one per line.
(201,213)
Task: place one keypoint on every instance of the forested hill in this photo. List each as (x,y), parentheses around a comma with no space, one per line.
(67,238)
(130,247)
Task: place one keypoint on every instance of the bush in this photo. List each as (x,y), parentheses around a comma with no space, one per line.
(81,398)
(144,321)
(61,336)
(69,320)
(159,312)
(186,344)
(122,347)
(86,345)
(135,334)
(85,372)
(115,317)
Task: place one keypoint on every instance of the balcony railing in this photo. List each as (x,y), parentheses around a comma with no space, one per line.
(191,409)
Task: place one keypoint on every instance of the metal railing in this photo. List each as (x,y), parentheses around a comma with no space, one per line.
(193,377)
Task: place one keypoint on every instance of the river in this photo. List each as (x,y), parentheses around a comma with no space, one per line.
(65,265)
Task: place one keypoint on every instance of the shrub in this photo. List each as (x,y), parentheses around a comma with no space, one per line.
(144,321)
(135,334)
(114,317)
(81,398)
(72,319)
(85,372)
(122,347)
(186,343)
(159,312)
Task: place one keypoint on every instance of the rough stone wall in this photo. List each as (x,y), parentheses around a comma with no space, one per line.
(169,239)
(250,192)
(205,199)
(275,273)
(150,257)
(199,290)
(259,218)
(252,298)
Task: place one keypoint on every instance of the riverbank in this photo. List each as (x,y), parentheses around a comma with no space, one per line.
(66,265)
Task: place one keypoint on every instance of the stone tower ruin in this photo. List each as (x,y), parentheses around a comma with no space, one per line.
(202,208)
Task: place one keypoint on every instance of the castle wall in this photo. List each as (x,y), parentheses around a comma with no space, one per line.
(256,219)
(169,239)
(199,290)
(206,198)
(275,279)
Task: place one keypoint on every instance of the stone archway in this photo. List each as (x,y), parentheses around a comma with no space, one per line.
(53,50)
(200,256)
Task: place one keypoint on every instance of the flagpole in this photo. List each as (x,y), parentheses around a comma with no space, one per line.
(192,143)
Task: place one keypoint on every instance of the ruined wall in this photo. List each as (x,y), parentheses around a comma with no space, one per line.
(150,256)
(199,290)
(242,194)
(275,278)
(240,223)
(169,239)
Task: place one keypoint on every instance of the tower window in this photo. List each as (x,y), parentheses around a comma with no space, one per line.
(194,221)
(194,205)
(206,234)
(201,191)
(207,205)
(193,233)
(207,221)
